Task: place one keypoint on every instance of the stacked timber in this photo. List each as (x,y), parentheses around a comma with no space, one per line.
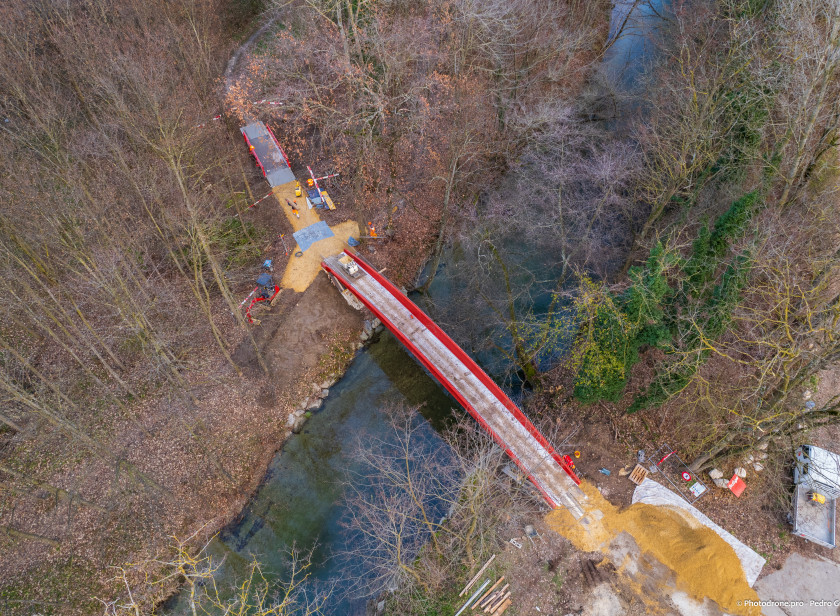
(494,601)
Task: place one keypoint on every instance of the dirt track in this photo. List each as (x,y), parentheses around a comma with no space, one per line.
(297,331)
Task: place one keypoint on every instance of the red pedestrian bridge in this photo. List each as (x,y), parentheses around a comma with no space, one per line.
(462,377)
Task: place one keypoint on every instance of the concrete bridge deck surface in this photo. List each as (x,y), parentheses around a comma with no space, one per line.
(268,154)
(465,381)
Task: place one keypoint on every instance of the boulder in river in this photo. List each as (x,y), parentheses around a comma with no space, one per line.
(299,421)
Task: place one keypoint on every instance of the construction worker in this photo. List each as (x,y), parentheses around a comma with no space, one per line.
(371,230)
(265,283)
(265,286)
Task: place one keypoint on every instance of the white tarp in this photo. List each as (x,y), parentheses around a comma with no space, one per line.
(650,492)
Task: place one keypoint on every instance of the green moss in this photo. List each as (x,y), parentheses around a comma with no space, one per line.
(238,242)
(52,589)
(620,327)
(557,580)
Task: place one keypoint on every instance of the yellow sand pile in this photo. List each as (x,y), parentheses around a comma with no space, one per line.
(704,564)
(301,271)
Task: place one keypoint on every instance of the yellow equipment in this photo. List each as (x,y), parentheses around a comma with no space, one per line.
(328,200)
(817,498)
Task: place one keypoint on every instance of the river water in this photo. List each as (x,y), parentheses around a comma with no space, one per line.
(301,501)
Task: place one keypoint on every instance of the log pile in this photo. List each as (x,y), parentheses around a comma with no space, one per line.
(494,601)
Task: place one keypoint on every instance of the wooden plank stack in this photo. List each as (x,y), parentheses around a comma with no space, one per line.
(638,475)
(495,601)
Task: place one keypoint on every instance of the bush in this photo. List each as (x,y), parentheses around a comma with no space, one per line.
(614,329)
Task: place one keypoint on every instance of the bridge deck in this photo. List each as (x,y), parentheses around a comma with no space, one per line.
(465,381)
(266,150)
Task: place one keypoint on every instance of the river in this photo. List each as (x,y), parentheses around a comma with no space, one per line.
(300,501)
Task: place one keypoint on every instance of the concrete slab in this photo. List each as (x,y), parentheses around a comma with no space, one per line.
(311,234)
(813,582)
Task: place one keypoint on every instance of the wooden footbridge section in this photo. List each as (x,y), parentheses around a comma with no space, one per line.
(463,378)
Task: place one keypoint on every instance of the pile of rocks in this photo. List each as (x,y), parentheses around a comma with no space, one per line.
(311,403)
(315,400)
(371,327)
(751,460)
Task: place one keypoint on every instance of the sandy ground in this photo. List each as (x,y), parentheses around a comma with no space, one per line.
(301,271)
(662,556)
(594,581)
(551,575)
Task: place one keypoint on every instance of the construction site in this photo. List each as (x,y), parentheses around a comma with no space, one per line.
(388,308)
(658,554)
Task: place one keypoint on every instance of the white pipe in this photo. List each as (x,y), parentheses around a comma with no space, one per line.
(475,594)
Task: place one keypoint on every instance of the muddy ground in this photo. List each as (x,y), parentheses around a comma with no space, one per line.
(297,331)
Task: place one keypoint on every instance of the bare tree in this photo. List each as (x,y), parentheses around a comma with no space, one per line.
(420,504)
(809,115)
(196,570)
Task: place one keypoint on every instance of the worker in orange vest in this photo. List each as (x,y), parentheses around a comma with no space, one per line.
(294,207)
(371,230)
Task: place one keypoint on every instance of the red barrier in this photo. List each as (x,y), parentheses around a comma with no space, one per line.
(251,150)
(260,299)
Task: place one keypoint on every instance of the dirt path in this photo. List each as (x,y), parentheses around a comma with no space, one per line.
(298,331)
(232,64)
